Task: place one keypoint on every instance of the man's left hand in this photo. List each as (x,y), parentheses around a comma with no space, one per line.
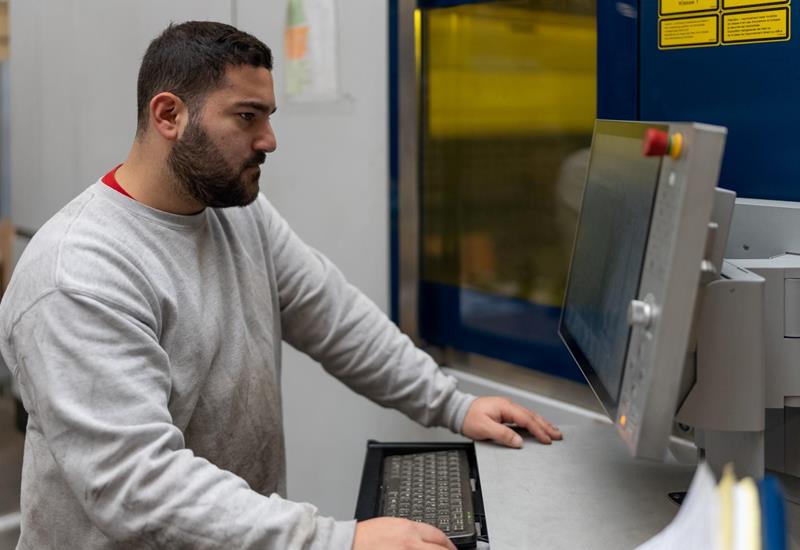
(487,417)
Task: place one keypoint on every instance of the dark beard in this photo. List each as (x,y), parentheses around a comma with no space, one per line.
(204,174)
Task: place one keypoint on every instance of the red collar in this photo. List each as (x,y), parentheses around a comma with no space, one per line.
(110,179)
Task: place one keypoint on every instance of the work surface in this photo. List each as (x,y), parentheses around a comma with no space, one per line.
(583,492)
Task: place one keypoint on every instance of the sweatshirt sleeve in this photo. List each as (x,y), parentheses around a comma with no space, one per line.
(97,387)
(338,326)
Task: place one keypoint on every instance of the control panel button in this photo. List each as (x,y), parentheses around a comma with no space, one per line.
(656,143)
(640,314)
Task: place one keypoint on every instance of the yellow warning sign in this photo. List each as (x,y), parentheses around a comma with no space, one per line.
(676,7)
(755,26)
(688,31)
(730,4)
(703,23)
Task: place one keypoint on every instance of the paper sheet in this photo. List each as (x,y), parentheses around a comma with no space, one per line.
(311,51)
(695,524)
(746,516)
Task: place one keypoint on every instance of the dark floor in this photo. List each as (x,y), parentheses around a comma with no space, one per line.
(11,442)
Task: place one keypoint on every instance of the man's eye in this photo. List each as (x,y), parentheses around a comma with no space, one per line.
(249,117)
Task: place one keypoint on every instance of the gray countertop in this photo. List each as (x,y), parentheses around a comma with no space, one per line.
(583,492)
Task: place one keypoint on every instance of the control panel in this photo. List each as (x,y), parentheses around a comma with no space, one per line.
(660,316)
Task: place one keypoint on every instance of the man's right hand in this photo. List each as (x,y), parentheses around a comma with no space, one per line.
(396,533)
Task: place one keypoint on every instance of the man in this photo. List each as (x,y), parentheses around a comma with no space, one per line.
(144,326)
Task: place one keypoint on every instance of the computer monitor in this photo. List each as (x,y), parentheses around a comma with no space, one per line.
(640,248)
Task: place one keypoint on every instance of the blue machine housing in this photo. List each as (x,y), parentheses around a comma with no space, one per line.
(752,89)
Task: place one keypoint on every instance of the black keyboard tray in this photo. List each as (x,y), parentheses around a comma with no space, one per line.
(368,505)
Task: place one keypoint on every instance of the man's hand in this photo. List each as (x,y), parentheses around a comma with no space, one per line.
(400,534)
(486,419)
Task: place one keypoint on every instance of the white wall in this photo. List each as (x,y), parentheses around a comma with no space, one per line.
(73,91)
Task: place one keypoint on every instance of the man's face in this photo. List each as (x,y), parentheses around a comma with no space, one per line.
(216,160)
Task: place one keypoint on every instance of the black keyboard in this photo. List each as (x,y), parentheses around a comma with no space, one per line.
(431,487)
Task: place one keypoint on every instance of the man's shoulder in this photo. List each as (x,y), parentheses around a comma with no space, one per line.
(77,224)
(77,247)
(49,238)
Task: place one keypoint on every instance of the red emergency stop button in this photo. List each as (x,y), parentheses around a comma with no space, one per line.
(658,143)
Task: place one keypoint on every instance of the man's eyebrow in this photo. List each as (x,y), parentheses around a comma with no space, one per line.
(258,106)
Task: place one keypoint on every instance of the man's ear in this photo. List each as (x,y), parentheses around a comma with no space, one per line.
(168,115)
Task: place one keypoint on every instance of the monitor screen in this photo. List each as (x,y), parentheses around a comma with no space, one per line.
(643,231)
(608,255)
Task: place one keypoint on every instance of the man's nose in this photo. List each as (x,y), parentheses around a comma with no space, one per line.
(266,141)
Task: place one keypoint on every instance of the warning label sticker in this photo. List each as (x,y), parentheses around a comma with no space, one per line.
(755,26)
(675,7)
(704,23)
(688,31)
(731,4)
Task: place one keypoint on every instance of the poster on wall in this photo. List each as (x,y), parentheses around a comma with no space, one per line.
(312,73)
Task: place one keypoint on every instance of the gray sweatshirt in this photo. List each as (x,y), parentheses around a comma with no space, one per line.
(147,348)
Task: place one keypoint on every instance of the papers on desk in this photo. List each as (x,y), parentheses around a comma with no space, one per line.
(731,515)
(700,509)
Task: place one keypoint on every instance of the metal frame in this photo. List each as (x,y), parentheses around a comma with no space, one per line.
(408,218)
